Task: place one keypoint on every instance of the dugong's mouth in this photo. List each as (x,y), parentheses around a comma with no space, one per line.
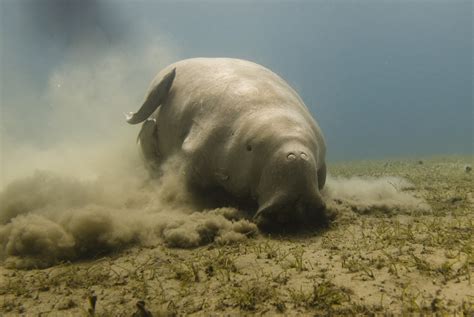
(289,216)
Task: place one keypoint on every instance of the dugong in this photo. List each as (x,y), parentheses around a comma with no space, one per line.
(240,130)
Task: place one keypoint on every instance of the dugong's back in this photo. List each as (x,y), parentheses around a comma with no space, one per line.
(207,91)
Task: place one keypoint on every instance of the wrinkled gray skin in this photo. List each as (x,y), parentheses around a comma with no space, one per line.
(241,128)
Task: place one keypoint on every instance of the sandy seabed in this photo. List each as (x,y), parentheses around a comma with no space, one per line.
(401,248)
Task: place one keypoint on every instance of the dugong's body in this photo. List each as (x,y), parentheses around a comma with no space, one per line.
(240,128)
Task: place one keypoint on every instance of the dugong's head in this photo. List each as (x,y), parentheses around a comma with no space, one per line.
(289,190)
(287,152)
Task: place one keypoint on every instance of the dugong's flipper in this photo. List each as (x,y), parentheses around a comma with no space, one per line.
(155,97)
(148,140)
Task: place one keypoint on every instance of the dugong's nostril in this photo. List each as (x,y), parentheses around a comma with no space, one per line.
(291,156)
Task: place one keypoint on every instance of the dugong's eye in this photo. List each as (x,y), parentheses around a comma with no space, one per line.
(249,147)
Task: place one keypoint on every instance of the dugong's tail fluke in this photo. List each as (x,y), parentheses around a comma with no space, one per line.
(156,96)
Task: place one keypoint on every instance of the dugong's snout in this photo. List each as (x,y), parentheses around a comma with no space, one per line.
(289,196)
